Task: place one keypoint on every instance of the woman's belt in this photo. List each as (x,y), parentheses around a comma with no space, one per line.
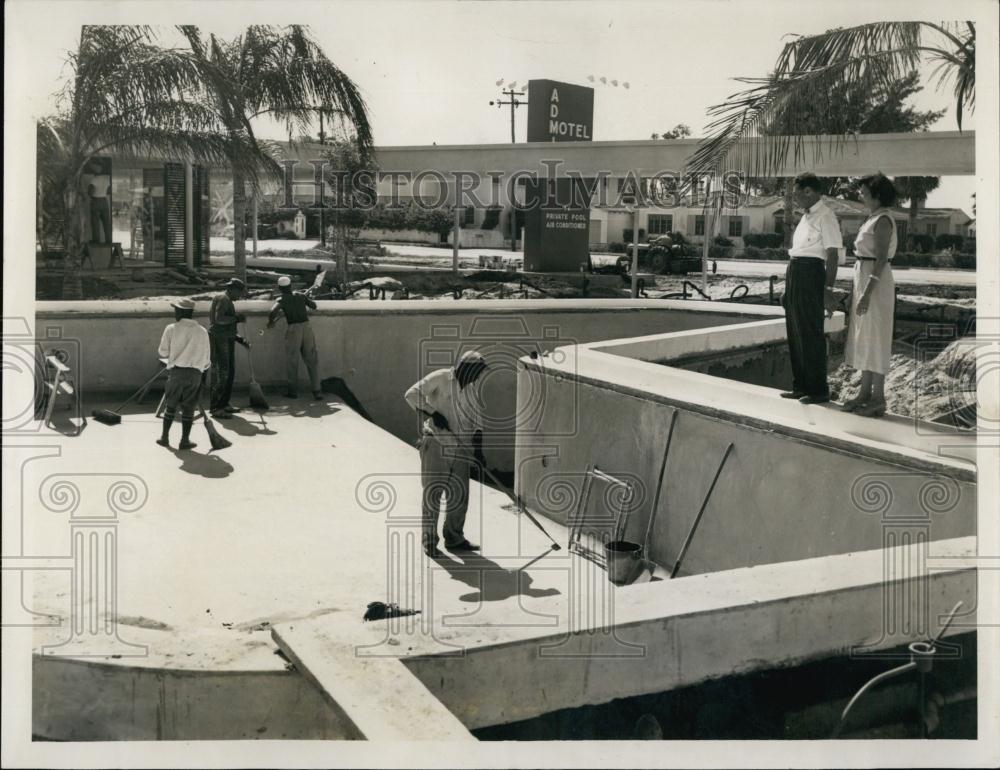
(868,259)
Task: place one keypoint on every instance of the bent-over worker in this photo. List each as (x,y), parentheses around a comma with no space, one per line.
(450,403)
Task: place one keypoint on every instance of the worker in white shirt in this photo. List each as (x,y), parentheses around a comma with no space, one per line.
(185,347)
(97,185)
(450,402)
(812,271)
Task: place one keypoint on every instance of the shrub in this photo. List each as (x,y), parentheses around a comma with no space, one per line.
(969,246)
(752,252)
(716,251)
(721,240)
(616,247)
(492,218)
(942,260)
(948,241)
(627,234)
(764,240)
(911,259)
(965,261)
(922,243)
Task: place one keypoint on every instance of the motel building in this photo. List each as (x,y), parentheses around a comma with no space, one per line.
(149,196)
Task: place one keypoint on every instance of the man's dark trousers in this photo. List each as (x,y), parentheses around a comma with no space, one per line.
(223,369)
(805,283)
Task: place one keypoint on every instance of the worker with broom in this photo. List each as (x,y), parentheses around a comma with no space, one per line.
(451,405)
(222,321)
(299,337)
(185,347)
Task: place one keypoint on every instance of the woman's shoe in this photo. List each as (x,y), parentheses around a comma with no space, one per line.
(872,409)
(853,404)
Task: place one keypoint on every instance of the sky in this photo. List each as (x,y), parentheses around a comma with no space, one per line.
(428,70)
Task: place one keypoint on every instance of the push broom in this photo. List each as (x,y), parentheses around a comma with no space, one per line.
(112,416)
(257,400)
(216,439)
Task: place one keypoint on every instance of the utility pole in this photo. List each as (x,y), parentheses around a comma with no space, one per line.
(514,104)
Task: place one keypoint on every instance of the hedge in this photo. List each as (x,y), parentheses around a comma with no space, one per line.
(752,252)
(764,240)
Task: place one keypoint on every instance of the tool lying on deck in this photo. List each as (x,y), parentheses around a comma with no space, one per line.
(111,416)
(257,400)
(383,610)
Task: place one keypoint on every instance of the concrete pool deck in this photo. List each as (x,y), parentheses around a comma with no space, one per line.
(281,541)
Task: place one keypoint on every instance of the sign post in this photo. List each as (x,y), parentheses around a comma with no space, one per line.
(455,233)
(635,251)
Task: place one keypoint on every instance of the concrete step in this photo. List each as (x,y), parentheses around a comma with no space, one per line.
(378,695)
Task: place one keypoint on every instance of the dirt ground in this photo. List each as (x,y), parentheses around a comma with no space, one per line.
(926,381)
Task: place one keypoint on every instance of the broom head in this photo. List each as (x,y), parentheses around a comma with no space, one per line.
(106,416)
(217,440)
(257,400)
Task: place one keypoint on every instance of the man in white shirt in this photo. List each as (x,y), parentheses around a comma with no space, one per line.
(185,347)
(97,185)
(450,402)
(809,281)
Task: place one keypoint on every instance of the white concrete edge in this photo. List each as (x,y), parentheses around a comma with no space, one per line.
(628,363)
(737,589)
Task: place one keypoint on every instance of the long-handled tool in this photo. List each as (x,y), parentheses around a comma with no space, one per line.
(470,457)
(697,519)
(111,416)
(216,439)
(257,400)
(659,487)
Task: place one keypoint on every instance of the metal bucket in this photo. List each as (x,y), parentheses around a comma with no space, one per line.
(624,561)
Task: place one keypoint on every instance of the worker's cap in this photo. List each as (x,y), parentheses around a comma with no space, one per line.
(183,304)
(472,358)
(235,282)
(284,281)
(470,366)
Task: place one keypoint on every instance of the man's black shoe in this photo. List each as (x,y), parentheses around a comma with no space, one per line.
(433,551)
(796,394)
(815,399)
(465,545)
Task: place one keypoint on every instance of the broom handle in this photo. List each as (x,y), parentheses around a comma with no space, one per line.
(701,511)
(513,498)
(141,389)
(659,484)
(249,354)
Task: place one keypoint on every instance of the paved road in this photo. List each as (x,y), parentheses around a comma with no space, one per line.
(725,266)
(442,259)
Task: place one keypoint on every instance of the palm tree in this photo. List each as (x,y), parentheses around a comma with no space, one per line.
(127,96)
(278,72)
(916,189)
(862,59)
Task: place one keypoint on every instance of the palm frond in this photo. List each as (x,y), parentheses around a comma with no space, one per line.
(754,130)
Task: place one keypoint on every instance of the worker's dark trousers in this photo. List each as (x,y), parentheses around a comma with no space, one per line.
(100,220)
(443,474)
(805,280)
(223,369)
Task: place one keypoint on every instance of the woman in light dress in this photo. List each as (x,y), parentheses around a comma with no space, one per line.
(869,335)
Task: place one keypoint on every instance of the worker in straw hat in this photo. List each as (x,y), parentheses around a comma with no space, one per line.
(451,404)
(299,337)
(185,347)
(222,322)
